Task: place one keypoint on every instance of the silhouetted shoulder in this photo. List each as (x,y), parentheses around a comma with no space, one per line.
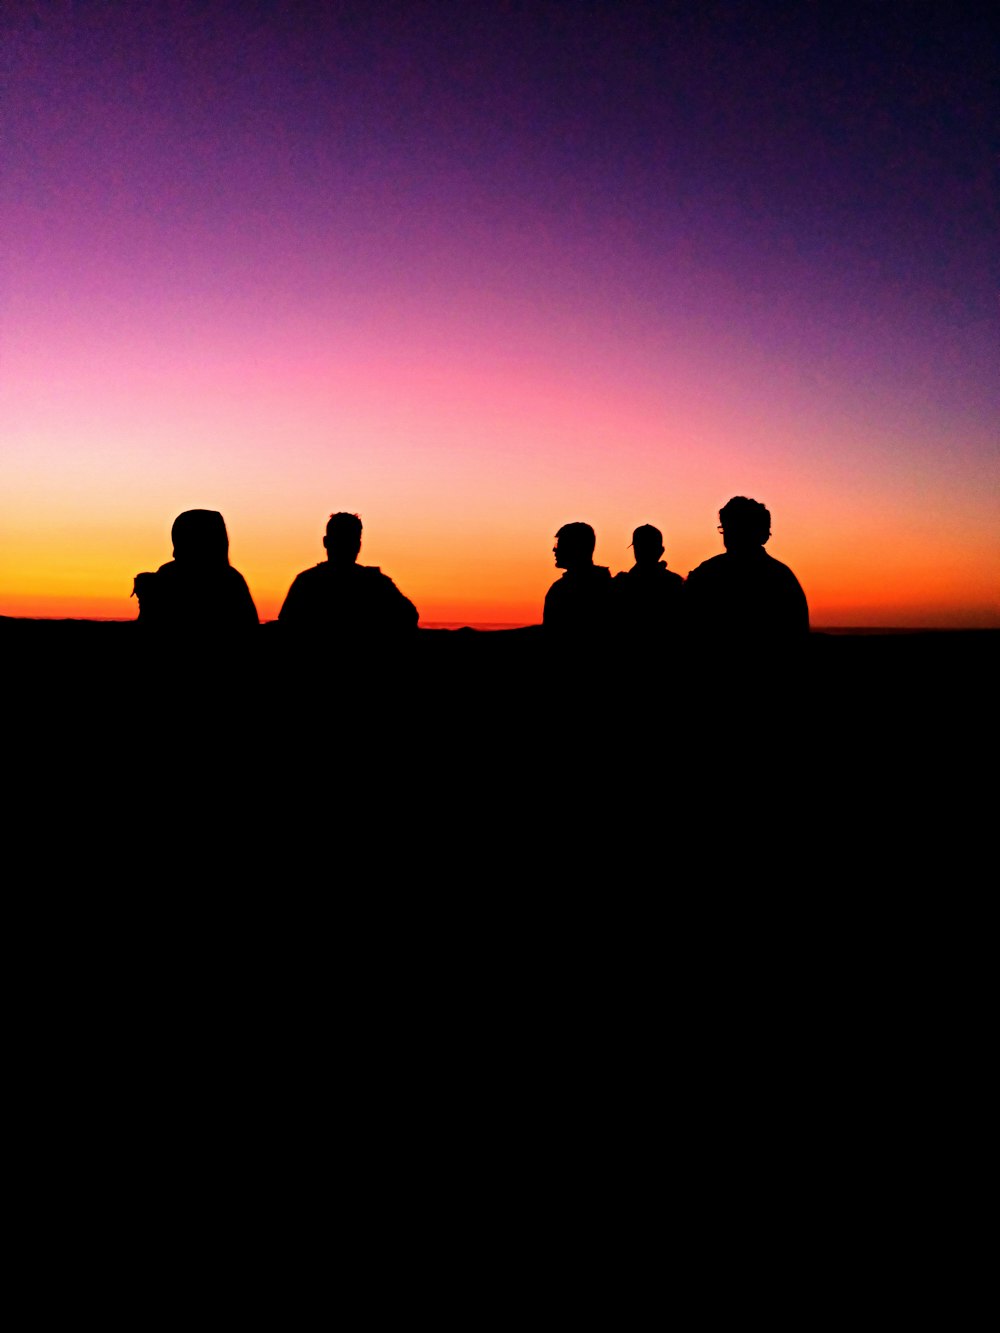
(373,574)
(712,568)
(649,602)
(242,603)
(761,567)
(180,598)
(376,579)
(349,598)
(308,578)
(747,594)
(661,577)
(579,601)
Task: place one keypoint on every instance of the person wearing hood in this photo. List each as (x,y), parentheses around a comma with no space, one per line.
(198,590)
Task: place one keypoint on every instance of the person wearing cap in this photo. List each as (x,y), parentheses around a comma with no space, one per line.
(746,595)
(649,596)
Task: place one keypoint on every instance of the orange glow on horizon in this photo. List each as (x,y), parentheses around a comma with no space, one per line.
(914,589)
(476,277)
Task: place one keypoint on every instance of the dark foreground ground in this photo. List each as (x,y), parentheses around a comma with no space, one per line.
(489,850)
(486,926)
(496,749)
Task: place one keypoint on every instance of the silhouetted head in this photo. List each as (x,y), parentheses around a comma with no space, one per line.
(200,538)
(744,524)
(647,545)
(343,538)
(574,546)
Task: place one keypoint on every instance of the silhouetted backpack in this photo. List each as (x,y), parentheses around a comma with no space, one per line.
(146,588)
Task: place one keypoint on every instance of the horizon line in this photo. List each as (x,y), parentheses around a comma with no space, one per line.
(487,626)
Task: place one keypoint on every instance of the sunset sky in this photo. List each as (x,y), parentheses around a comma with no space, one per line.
(477,270)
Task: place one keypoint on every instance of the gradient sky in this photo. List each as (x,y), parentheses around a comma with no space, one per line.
(474,271)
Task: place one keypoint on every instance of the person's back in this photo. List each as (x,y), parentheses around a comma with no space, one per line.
(340,597)
(198,591)
(347,599)
(649,596)
(746,594)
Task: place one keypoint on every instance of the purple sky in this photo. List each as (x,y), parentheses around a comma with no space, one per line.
(430,255)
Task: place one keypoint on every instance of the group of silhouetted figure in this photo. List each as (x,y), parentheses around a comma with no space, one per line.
(200,590)
(743,593)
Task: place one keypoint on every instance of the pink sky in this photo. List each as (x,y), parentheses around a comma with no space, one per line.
(231,284)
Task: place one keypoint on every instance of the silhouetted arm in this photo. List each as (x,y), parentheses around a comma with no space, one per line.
(400,611)
(244,610)
(551,610)
(798,609)
(693,610)
(146,589)
(295,608)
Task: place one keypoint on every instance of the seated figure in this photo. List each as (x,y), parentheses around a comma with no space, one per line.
(341,597)
(746,594)
(579,604)
(649,596)
(198,590)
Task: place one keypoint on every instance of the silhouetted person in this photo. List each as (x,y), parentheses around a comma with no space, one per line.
(578,605)
(649,596)
(745,594)
(198,589)
(341,597)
